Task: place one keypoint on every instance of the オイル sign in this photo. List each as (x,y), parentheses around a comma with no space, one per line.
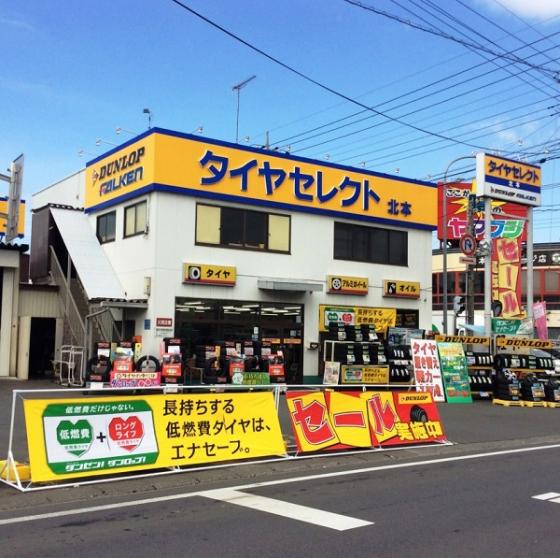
(162,160)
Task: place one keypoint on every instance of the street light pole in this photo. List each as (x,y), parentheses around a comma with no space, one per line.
(238,88)
(444,238)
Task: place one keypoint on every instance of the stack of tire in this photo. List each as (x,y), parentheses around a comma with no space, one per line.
(552,390)
(531,388)
(506,385)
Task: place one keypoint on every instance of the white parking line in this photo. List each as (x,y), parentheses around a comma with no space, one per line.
(546,496)
(286,509)
(145,501)
(549,497)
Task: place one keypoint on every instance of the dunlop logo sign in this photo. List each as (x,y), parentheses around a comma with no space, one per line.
(514,342)
(463,339)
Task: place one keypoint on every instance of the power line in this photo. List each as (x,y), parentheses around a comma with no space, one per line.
(314,81)
(503,29)
(552,73)
(491,125)
(473,31)
(427,95)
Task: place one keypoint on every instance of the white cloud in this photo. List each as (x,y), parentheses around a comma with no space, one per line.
(19,23)
(539,9)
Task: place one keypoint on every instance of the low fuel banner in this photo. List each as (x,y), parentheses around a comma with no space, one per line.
(74,438)
(455,373)
(339,420)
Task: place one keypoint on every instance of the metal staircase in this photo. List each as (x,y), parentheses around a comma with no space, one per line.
(85,322)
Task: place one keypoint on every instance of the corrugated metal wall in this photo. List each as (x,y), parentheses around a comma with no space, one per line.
(39,303)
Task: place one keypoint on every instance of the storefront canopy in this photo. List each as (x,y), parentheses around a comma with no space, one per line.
(278,284)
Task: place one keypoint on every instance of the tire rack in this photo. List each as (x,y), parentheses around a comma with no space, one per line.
(329,350)
(521,361)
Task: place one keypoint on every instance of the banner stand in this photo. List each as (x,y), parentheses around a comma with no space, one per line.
(17,474)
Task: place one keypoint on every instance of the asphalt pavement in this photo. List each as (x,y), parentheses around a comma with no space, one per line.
(470,498)
(486,505)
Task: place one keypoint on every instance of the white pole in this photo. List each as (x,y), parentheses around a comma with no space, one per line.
(530,284)
(488,267)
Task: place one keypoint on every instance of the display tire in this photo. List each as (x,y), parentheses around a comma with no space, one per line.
(148,363)
(417,414)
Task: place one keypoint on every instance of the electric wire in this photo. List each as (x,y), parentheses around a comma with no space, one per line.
(289,139)
(548,71)
(314,81)
(471,30)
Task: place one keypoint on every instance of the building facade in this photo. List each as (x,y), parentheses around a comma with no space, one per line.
(182,236)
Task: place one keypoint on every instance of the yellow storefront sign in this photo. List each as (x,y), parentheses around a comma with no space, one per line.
(73,438)
(519,342)
(3,220)
(465,339)
(401,289)
(169,161)
(381,318)
(342,284)
(512,171)
(207,274)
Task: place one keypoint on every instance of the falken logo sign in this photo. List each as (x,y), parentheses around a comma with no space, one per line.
(119,172)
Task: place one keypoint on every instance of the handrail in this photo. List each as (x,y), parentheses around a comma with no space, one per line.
(66,300)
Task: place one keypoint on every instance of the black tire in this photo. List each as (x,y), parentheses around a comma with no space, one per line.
(148,363)
(417,414)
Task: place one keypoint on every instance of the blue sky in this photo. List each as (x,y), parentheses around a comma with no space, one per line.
(74,71)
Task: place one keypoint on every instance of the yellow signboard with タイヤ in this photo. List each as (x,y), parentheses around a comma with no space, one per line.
(208,274)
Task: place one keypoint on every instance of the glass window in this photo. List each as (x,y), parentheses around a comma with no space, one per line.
(379,245)
(370,244)
(550,281)
(360,244)
(242,228)
(279,233)
(256,225)
(207,224)
(450,281)
(435,281)
(231,227)
(106,227)
(135,219)
(342,241)
(398,248)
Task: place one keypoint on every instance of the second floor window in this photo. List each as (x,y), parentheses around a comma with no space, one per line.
(232,227)
(370,244)
(135,219)
(106,227)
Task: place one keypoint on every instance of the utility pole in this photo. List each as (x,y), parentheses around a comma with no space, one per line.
(469,287)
